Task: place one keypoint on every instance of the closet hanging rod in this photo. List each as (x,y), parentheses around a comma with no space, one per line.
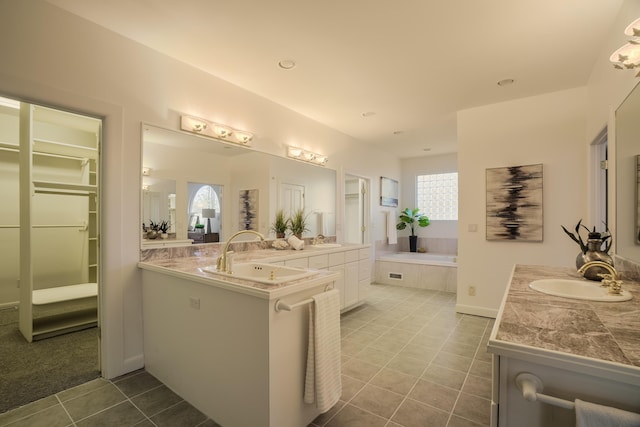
(9,226)
(64,193)
(81,226)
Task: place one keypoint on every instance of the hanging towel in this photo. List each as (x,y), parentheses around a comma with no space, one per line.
(322,224)
(323,384)
(594,415)
(392,233)
(296,243)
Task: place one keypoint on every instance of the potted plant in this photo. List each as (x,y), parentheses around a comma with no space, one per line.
(298,223)
(592,250)
(412,217)
(163,229)
(280,225)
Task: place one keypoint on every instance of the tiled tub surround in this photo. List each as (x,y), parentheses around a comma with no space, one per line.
(579,349)
(427,271)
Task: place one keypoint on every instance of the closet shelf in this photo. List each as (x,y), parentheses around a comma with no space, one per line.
(44,146)
(8,146)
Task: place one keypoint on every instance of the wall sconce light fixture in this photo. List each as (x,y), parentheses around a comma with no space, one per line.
(215,130)
(306,156)
(628,56)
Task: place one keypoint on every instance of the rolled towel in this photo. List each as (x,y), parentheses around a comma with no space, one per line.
(296,243)
(593,415)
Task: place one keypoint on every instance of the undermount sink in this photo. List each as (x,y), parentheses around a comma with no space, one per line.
(269,274)
(325,246)
(578,289)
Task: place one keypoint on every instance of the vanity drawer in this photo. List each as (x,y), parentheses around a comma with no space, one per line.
(351,256)
(319,261)
(336,258)
(365,253)
(297,262)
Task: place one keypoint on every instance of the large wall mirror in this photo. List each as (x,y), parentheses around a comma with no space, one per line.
(628,177)
(203,186)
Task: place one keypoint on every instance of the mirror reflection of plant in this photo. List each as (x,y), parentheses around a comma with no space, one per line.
(298,223)
(281,224)
(161,226)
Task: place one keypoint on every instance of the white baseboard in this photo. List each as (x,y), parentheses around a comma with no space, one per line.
(476,311)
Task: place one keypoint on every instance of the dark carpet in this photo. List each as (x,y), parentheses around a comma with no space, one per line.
(31,371)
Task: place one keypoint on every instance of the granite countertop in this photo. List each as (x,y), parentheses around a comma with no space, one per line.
(601,334)
(191,267)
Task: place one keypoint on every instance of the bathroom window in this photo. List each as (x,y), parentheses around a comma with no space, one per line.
(437,195)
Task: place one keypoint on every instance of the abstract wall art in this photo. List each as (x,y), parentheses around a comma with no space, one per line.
(248,210)
(514,203)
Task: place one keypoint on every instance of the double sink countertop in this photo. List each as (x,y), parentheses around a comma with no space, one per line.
(597,338)
(191,268)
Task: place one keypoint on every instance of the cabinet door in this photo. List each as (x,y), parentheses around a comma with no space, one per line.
(339,283)
(351,284)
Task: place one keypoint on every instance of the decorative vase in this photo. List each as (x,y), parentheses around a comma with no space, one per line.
(152,234)
(594,253)
(279,235)
(413,243)
(164,235)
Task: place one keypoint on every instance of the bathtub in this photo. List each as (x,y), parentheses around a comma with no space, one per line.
(438,272)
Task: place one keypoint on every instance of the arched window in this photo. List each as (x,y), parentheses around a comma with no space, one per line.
(203,197)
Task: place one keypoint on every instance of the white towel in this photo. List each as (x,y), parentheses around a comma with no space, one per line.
(593,415)
(323,384)
(322,224)
(296,243)
(392,233)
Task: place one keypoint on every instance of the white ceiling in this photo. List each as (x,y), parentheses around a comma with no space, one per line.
(414,63)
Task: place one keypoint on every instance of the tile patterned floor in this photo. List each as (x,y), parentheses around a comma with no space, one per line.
(408,360)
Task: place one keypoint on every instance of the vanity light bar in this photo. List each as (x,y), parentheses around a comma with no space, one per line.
(215,130)
(306,156)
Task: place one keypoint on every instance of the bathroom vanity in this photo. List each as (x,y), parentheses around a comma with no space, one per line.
(220,343)
(578,349)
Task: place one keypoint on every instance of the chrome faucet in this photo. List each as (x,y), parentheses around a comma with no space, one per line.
(223,263)
(610,280)
(318,239)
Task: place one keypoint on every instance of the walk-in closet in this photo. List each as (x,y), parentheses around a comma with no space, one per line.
(49,222)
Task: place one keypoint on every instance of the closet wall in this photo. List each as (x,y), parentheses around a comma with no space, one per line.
(49,214)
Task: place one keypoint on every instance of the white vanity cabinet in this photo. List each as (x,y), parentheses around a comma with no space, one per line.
(353,262)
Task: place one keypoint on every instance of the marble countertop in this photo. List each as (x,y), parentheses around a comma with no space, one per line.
(600,335)
(191,267)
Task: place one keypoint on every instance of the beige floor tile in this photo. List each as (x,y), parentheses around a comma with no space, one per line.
(473,408)
(435,395)
(415,414)
(394,380)
(377,400)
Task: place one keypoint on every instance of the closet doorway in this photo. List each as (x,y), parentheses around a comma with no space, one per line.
(49,257)
(356,209)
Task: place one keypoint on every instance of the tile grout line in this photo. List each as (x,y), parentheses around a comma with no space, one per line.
(466,378)
(420,376)
(403,347)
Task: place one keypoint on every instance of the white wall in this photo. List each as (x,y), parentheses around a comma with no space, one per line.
(53,57)
(547,129)
(541,129)
(445,163)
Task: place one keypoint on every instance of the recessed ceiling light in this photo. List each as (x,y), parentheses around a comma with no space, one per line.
(287,64)
(506,82)
(368,113)
(426,149)
(398,132)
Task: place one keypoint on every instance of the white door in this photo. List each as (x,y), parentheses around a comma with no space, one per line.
(291,198)
(356,212)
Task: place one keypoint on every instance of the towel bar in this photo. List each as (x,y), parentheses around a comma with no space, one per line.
(279,306)
(530,385)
